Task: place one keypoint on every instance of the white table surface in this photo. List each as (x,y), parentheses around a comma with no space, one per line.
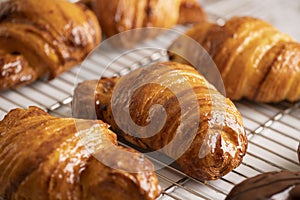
(283,14)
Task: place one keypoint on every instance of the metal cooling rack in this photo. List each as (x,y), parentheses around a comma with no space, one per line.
(273,129)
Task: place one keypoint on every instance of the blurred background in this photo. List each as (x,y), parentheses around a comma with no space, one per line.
(285,15)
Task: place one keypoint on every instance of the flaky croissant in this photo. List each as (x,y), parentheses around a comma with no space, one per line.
(46,157)
(43,38)
(255,60)
(203,131)
(116,16)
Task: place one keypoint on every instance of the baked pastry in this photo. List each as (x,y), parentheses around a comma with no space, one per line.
(191,12)
(46,157)
(203,131)
(43,38)
(282,185)
(117,16)
(255,60)
(298,152)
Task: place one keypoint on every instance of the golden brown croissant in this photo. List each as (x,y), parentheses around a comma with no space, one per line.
(116,16)
(203,131)
(46,157)
(255,60)
(43,38)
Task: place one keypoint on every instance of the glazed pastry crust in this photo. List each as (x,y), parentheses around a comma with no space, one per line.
(218,145)
(44,157)
(50,36)
(191,12)
(255,60)
(117,16)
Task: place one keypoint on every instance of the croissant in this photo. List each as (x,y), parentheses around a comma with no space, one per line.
(202,130)
(117,16)
(270,185)
(255,60)
(46,157)
(43,38)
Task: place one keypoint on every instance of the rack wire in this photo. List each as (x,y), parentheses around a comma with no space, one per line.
(273,129)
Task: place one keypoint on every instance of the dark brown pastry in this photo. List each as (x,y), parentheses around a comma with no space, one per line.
(282,185)
(298,152)
(218,142)
(46,157)
(43,38)
(117,16)
(255,60)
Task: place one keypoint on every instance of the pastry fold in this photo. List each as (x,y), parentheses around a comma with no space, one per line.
(117,16)
(46,157)
(255,60)
(198,127)
(41,39)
